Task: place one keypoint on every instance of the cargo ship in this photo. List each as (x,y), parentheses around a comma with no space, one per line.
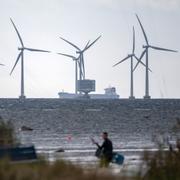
(110,93)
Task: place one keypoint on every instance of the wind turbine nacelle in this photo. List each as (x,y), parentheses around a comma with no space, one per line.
(86,85)
(20,48)
(145,46)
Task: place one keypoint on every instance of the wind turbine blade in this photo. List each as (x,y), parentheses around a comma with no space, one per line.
(142,29)
(36,50)
(87,44)
(70,43)
(139,60)
(16,62)
(133,41)
(67,55)
(85,47)
(136,66)
(143,53)
(2,65)
(121,61)
(92,43)
(162,49)
(17,32)
(78,58)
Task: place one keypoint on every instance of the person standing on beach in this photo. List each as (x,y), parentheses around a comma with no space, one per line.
(105,151)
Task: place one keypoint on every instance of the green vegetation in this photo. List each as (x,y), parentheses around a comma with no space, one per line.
(162,165)
(7,135)
(42,170)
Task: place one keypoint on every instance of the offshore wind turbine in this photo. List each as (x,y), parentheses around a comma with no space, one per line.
(21,55)
(77,64)
(146,52)
(81,55)
(131,57)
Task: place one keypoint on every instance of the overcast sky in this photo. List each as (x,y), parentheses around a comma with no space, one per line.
(42,22)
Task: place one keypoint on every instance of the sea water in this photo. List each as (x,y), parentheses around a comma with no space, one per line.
(69,125)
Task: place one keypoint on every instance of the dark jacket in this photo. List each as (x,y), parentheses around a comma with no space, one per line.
(107,149)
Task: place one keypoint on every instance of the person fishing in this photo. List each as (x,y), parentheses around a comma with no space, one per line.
(105,151)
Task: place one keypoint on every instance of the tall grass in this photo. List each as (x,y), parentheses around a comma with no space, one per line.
(163,165)
(7,134)
(42,170)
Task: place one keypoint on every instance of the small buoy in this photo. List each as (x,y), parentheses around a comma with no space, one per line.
(25,128)
(60,150)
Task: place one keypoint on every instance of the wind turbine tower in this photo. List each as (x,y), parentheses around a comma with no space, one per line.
(76,60)
(21,55)
(146,52)
(131,57)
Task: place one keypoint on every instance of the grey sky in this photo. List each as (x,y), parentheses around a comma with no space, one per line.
(41,22)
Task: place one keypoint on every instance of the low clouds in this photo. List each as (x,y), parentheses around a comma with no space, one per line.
(161,4)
